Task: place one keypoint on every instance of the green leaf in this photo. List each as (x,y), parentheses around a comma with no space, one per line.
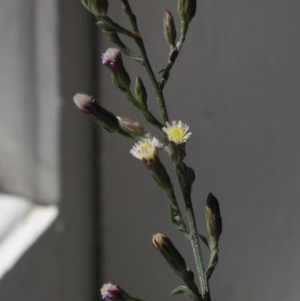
(177,219)
(213,260)
(204,240)
(183,289)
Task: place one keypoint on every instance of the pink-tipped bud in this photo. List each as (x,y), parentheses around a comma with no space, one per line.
(133,128)
(112,59)
(84,102)
(169,28)
(163,244)
(88,105)
(113,292)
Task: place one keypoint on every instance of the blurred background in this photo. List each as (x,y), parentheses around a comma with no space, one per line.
(236,83)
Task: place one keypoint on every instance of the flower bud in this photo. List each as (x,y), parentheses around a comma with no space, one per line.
(96,7)
(112,59)
(169,28)
(114,292)
(163,244)
(88,105)
(187,9)
(133,128)
(140,92)
(213,219)
(161,176)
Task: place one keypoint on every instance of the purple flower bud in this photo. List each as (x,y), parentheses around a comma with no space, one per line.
(88,105)
(113,292)
(112,59)
(84,102)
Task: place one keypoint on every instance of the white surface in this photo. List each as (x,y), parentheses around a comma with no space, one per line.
(21,224)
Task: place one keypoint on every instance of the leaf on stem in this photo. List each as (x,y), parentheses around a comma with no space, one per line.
(184,289)
(176,219)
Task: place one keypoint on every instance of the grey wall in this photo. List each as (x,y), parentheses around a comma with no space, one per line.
(236,84)
(63,264)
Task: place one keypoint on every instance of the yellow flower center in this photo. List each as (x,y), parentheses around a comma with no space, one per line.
(176,134)
(145,150)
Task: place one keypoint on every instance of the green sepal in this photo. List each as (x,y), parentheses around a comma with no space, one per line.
(187,177)
(213,260)
(141,94)
(115,39)
(177,219)
(184,289)
(204,240)
(96,7)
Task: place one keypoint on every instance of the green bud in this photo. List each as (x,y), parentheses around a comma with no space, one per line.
(169,28)
(133,128)
(96,7)
(161,176)
(213,219)
(112,59)
(140,92)
(187,9)
(163,244)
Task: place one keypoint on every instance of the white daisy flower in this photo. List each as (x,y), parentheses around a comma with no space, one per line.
(145,149)
(177,132)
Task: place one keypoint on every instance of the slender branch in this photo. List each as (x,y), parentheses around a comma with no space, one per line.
(147,114)
(186,177)
(173,56)
(140,43)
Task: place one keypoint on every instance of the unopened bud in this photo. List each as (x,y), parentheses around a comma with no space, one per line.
(187,9)
(88,105)
(112,59)
(140,92)
(96,7)
(161,176)
(163,244)
(213,219)
(114,292)
(133,128)
(169,28)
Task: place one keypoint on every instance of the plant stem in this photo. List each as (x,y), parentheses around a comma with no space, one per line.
(186,180)
(140,43)
(147,114)
(196,247)
(173,56)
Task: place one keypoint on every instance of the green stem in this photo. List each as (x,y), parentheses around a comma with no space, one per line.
(147,114)
(173,56)
(196,247)
(140,43)
(186,179)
